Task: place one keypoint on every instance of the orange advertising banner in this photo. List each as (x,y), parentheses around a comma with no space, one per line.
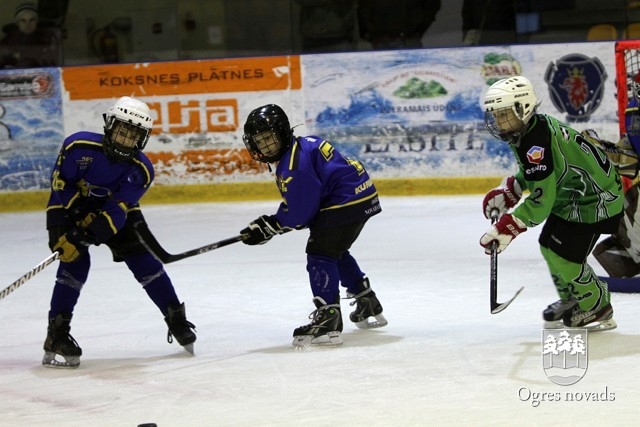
(206,163)
(183,77)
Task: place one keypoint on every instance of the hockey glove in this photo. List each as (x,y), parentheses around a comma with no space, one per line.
(502,198)
(261,230)
(72,245)
(622,154)
(87,220)
(502,233)
(84,209)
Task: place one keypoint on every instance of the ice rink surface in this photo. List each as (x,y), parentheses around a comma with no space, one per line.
(443,360)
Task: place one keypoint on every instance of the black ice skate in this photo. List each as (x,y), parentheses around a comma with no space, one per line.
(554,313)
(60,343)
(180,327)
(324,329)
(367,307)
(600,319)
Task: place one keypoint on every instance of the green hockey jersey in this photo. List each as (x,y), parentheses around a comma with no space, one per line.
(566,175)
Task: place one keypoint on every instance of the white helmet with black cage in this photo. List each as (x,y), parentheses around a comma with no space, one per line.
(509,104)
(127,128)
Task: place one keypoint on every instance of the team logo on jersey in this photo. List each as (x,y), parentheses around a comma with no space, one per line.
(564,355)
(535,155)
(282,183)
(576,85)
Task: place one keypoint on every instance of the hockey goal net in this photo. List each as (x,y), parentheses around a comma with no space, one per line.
(627,67)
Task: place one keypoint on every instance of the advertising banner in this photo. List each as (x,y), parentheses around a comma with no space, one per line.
(31,128)
(409,113)
(199,108)
(418,112)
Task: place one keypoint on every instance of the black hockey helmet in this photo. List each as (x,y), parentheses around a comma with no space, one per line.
(267,133)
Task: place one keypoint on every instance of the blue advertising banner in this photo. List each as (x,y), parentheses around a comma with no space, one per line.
(31,127)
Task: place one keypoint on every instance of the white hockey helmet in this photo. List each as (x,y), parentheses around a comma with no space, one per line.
(636,87)
(127,128)
(509,104)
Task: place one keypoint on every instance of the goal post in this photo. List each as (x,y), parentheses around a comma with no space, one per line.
(627,60)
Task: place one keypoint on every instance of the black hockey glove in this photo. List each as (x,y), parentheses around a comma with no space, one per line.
(85,209)
(80,208)
(71,244)
(261,230)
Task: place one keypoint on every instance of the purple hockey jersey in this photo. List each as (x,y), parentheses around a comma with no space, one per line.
(82,169)
(322,188)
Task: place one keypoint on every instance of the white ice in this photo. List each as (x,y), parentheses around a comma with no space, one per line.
(442,360)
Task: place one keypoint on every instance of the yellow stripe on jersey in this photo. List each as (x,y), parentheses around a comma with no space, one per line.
(83,142)
(351,203)
(146,171)
(293,160)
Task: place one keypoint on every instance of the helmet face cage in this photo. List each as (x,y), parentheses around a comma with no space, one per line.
(267,133)
(504,123)
(125,138)
(264,145)
(509,105)
(127,128)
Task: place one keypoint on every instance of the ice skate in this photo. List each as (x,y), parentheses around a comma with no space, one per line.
(60,343)
(324,329)
(368,312)
(600,319)
(554,313)
(180,328)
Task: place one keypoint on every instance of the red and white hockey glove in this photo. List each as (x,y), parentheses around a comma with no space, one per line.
(502,198)
(502,233)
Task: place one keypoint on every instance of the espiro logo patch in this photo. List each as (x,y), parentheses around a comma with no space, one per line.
(564,355)
(535,156)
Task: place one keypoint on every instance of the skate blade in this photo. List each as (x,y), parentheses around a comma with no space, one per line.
(330,339)
(553,324)
(189,348)
(604,325)
(70,362)
(368,323)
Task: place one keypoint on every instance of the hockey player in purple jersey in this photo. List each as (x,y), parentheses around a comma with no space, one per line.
(333,197)
(96,184)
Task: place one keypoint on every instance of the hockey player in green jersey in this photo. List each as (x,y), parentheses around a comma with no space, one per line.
(574,189)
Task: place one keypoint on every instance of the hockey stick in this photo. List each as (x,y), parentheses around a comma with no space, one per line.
(35,270)
(151,243)
(497,307)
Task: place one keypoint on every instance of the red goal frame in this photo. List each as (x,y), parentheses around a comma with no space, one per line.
(627,57)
